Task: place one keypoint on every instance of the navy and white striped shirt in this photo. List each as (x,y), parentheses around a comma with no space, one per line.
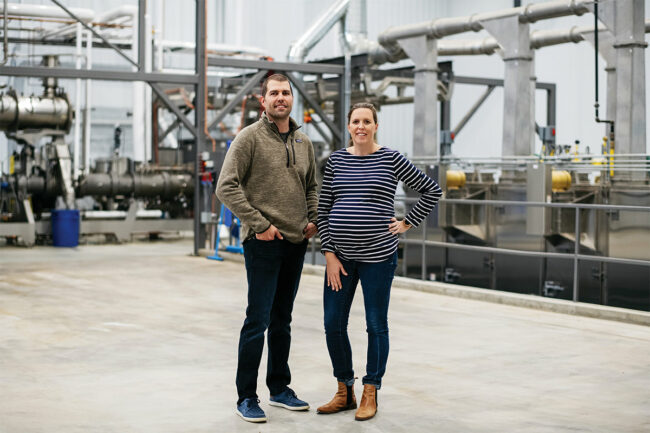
(357,202)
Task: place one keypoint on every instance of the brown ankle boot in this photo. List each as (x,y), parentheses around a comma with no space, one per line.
(368,407)
(344,399)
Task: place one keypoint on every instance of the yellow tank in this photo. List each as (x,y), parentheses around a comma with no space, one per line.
(561,180)
(455,179)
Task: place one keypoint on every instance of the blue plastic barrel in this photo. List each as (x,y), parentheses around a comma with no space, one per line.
(65,227)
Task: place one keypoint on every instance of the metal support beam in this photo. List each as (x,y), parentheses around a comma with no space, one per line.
(94,74)
(343,121)
(336,132)
(142,9)
(320,131)
(347,96)
(472,110)
(200,108)
(255,81)
(307,68)
(551,95)
(163,97)
(173,126)
(518,121)
(423,51)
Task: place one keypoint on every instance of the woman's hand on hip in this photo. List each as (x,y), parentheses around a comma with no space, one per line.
(334,269)
(397,227)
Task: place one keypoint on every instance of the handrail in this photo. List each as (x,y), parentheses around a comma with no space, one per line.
(576,256)
(532,204)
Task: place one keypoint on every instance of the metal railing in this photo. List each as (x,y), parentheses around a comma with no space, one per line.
(576,256)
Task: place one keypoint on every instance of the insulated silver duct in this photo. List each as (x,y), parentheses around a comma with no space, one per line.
(165,185)
(34,112)
(299,49)
(438,28)
(162,185)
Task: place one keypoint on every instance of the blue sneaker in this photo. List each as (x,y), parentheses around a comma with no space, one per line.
(288,400)
(250,410)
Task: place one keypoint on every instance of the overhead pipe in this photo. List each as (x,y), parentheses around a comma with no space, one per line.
(353,33)
(104,18)
(43,11)
(299,49)
(489,45)
(224,49)
(441,27)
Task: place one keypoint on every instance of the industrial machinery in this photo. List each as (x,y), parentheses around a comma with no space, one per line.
(561,223)
(117,198)
(558,223)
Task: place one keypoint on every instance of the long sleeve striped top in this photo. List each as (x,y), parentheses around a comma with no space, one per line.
(357,201)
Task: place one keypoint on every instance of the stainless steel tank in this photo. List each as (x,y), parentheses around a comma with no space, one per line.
(34,112)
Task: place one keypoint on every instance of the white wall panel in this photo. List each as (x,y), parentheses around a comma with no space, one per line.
(272,26)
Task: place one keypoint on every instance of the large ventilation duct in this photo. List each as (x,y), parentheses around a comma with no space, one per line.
(298,50)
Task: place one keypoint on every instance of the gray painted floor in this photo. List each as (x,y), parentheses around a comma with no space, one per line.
(142,338)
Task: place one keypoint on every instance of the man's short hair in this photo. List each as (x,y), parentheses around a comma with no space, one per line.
(274,77)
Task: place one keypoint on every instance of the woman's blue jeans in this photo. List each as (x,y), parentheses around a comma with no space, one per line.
(376,280)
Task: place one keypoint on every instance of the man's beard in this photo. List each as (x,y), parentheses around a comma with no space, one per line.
(279,116)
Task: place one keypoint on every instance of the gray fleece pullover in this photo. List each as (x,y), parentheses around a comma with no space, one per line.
(265,181)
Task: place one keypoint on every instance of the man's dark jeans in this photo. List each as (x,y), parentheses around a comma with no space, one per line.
(376,280)
(273,269)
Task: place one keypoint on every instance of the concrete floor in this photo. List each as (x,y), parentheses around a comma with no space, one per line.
(142,338)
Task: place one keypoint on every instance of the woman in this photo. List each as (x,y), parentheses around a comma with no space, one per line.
(358,234)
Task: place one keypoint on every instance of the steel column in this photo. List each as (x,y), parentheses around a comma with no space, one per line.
(142,8)
(423,51)
(199,112)
(518,123)
(626,21)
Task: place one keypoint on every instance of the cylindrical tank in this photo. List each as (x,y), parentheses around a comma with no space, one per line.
(23,112)
(561,180)
(456,179)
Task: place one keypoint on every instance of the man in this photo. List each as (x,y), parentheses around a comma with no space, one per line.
(268,180)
